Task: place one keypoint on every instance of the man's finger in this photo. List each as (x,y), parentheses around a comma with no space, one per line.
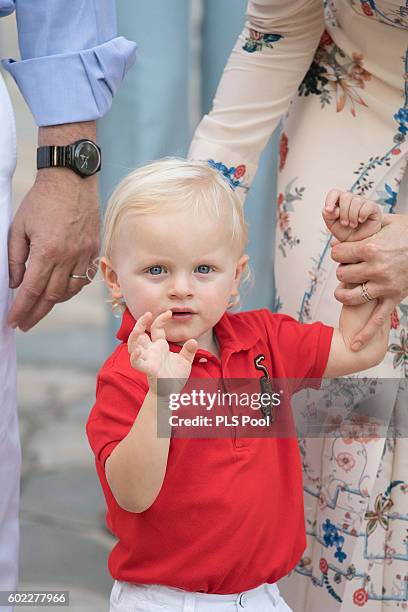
(40,310)
(57,290)
(157,328)
(18,251)
(33,286)
(83,267)
(59,286)
(378,317)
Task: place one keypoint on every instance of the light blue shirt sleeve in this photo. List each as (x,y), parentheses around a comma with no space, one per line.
(71,63)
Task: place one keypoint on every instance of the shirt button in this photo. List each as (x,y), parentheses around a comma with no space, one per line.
(202,360)
(243,600)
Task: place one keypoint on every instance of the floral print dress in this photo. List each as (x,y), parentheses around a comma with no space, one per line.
(336,76)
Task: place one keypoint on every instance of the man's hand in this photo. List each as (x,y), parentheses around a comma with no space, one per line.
(55,233)
(382,263)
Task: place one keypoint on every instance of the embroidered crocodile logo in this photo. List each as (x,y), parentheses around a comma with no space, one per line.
(266,388)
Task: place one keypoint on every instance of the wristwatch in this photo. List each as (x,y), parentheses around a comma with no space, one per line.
(82,156)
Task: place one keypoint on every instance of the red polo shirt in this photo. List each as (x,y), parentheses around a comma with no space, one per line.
(229,515)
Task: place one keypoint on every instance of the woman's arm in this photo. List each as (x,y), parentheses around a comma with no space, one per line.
(265,68)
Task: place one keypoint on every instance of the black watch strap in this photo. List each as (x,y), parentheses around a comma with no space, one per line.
(82,157)
(53,157)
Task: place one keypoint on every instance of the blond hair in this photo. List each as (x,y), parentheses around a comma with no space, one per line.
(177,183)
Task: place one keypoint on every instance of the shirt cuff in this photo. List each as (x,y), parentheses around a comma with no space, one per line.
(7,7)
(73,87)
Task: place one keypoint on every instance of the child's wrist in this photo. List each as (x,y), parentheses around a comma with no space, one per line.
(152,382)
(161,402)
(160,389)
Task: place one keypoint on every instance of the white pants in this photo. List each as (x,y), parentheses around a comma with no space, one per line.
(126,597)
(10,456)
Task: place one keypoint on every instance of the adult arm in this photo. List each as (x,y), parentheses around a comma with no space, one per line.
(54,233)
(71,66)
(72,62)
(265,68)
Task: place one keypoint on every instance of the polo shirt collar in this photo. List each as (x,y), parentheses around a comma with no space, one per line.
(234,334)
(231,331)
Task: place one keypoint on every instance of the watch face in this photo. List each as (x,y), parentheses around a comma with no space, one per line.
(87,158)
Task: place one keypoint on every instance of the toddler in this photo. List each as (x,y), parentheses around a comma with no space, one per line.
(203,524)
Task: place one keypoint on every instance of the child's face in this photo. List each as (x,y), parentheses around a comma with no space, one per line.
(179,262)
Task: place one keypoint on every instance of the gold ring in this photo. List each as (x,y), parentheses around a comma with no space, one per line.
(365,293)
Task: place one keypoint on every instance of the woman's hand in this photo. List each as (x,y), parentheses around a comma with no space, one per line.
(153,357)
(381,262)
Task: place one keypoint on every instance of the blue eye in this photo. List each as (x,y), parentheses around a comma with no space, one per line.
(156,270)
(203,269)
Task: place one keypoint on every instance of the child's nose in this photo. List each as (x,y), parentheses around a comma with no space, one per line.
(180,287)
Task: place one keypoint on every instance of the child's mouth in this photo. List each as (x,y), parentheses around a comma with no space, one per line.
(182,314)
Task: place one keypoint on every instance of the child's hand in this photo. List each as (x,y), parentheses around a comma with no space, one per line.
(350,217)
(153,357)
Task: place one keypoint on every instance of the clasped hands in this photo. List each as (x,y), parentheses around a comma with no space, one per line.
(379,261)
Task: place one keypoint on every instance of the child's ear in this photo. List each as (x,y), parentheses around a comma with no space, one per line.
(241,265)
(111,278)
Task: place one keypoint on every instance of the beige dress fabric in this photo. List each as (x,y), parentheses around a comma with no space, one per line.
(337,76)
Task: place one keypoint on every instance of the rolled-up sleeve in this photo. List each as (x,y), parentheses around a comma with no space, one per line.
(72,62)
